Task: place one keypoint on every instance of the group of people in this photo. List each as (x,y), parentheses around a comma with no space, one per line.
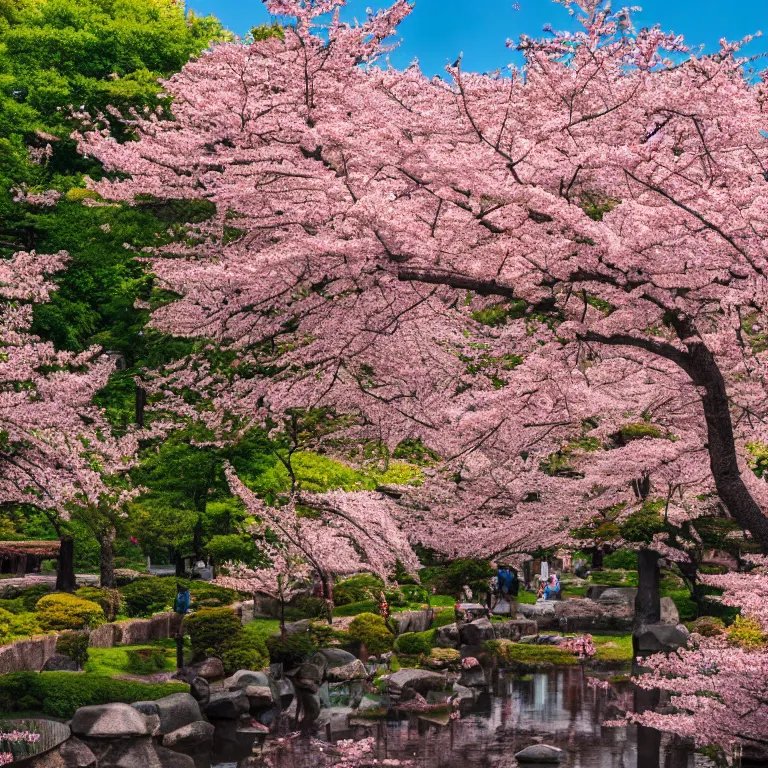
(549,589)
(505,585)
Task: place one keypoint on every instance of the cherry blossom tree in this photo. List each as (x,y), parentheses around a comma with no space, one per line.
(504,266)
(56,449)
(283,578)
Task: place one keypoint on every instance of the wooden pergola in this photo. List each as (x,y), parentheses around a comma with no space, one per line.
(21,557)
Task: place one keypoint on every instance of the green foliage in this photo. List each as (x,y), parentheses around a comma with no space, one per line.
(370,629)
(613,649)
(414,593)
(245,651)
(355,609)
(500,314)
(145,661)
(415,643)
(108,599)
(443,617)
(234,547)
(450,579)
(60,694)
(415,452)
(644,524)
(16,626)
(400,473)
(31,595)
(523,655)
(64,611)
(364,586)
(707,626)
(211,629)
(625,559)
(115,661)
(638,430)
(147,595)
(746,632)
(14,605)
(444,655)
(306,607)
(74,645)
(293,650)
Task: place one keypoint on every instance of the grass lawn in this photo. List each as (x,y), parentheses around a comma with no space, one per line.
(613,649)
(114,661)
(530,656)
(261,628)
(369,606)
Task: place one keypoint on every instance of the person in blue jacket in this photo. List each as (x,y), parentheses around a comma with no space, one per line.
(181,605)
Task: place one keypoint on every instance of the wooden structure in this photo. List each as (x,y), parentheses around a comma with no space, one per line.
(21,557)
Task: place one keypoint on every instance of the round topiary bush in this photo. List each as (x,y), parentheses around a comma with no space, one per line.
(64,611)
(108,599)
(245,652)
(707,626)
(211,630)
(148,595)
(370,629)
(15,626)
(415,643)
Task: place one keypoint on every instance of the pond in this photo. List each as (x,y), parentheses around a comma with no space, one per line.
(23,740)
(557,707)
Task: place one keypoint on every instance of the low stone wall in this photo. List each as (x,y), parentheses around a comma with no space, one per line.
(31,655)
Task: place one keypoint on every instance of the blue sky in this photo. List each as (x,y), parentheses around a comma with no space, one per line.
(438,30)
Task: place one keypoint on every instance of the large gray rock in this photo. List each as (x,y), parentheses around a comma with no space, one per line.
(176,711)
(191,735)
(297,627)
(200,690)
(515,629)
(413,621)
(580,615)
(669,612)
(126,753)
(75,754)
(405,682)
(448,636)
(616,595)
(109,721)
(210,669)
(340,666)
(656,638)
(245,677)
(60,663)
(474,677)
(285,692)
(540,754)
(170,759)
(228,705)
(476,632)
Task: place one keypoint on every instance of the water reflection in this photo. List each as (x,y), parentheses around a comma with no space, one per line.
(556,707)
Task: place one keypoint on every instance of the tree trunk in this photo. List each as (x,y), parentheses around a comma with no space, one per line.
(141,404)
(597,557)
(648,601)
(328,594)
(107,562)
(282,619)
(721,445)
(180,571)
(65,576)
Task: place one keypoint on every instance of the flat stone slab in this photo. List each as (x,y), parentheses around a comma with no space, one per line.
(541,754)
(109,721)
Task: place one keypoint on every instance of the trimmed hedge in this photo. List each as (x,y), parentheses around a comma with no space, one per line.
(64,611)
(74,645)
(60,694)
(355,589)
(415,643)
(212,630)
(371,630)
(147,595)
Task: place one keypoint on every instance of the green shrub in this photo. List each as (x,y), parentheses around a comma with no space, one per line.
(306,607)
(707,626)
(293,650)
(64,611)
(364,586)
(212,594)
(449,579)
(415,643)
(147,595)
(211,629)
(145,661)
(414,593)
(108,599)
(746,633)
(15,605)
(59,694)
(444,617)
(623,559)
(74,645)
(49,566)
(15,626)
(355,609)
(444,655)
(370,629)
(31,595)
(245,652)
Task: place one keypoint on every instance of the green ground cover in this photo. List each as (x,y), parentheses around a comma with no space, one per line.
(116,661)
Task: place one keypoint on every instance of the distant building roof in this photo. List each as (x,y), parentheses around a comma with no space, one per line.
(35,548)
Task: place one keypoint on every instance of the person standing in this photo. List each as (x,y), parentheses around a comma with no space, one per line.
(181,606)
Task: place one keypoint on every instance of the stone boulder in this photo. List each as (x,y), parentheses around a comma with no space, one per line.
(210,669)
(126,753)
(669,612)
(476,632)
(618,595)
(60,663)
(414,621)
(448,636)
(656,638)
(75,754)
(245,677)
(340,666)
(228,705)
(539,754)
(515,629)
(170,759)
(191,735)
(176,711)
(136,631)
(580,615)
(109,721)
(474,677)
(105,636)
(404,683)
(200,690)
(297,627)
(285,692)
